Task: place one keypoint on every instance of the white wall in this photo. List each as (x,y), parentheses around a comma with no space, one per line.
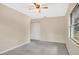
(53,29)
(14,28)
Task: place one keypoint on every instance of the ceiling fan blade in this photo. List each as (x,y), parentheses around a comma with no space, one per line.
(45,7)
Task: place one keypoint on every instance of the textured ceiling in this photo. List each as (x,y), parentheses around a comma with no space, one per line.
(54,9)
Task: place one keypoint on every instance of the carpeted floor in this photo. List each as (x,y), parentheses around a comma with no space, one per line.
(39,48)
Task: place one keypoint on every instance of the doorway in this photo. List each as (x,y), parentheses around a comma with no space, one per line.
(35,31)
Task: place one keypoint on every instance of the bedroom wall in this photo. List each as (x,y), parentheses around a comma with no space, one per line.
(14,28)
(53,29)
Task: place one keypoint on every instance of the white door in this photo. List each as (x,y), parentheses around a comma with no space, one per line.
(35,31)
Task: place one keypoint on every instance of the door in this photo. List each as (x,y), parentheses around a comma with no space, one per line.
(35,31)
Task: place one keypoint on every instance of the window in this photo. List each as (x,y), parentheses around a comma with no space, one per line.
(74,24)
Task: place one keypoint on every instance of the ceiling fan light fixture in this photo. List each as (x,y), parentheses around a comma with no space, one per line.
(38,7)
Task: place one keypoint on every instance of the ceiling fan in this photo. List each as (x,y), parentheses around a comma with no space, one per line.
(38,7)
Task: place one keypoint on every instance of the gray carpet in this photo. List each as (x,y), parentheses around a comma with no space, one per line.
(39,48)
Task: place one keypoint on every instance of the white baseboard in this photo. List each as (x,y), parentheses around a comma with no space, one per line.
(14,47)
